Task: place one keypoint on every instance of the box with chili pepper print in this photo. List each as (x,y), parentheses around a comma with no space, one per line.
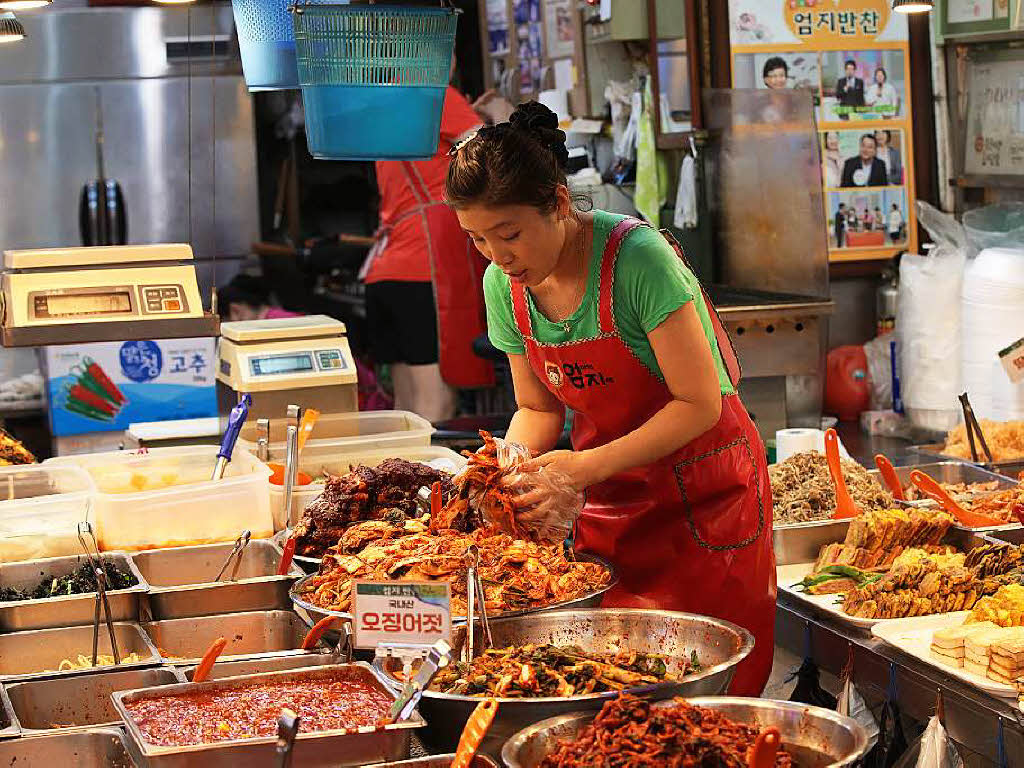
(106,386)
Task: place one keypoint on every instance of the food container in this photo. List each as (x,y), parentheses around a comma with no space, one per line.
(312,750)
(177,504)
(181,581)
(437,761)
(317,460)
(223,669)
(359,431)
(40,509)
(801,542)
(719,645)
(814,736)
(92,748)
(8,725)
(37,654)
(67,610)
(60,703)
(934,451)
(253,635)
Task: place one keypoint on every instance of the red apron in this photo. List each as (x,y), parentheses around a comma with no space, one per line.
(691,532)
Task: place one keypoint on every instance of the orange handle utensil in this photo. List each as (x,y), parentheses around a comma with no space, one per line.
(309,417)
(845,507)
(473,734)
(435,500)
(888,473)
(762,754)
(206,664)
(318,630)
(286,557)
(933,490)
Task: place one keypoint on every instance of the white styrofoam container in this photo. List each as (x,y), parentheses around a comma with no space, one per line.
(40,509)
(315,460)
(360,430)
(165,497)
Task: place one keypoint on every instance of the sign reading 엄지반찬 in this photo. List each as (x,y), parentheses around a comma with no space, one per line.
(401,612)
(852,56)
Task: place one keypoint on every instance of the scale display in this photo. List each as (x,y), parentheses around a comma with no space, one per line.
(281,364)
(82,304)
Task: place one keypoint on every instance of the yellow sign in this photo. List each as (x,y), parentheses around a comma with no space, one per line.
(822,23)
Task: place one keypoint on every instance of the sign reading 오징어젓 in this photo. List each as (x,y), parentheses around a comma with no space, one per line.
(401,612)
(853,58)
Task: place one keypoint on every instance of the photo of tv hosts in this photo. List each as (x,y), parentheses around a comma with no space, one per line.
(872,158)
(862,85)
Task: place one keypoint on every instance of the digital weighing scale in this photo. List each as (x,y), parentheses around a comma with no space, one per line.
(104,293)
(304,361)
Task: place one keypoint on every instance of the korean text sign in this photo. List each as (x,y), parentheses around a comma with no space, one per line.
(401,612)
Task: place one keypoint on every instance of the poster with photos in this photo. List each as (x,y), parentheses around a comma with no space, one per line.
(852,56)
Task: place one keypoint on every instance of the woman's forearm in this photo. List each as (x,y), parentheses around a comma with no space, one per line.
(537,430)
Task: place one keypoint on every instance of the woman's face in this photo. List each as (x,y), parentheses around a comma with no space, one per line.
(881,139)
(522,241)
(879,76)
(832,141)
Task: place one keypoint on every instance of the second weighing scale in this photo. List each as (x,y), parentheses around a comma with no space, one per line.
(107,293)
(304,361)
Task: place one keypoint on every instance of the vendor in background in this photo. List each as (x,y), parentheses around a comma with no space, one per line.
(424,305)
(601,314)
(247,297)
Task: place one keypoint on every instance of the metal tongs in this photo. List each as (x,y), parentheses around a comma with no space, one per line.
(96,563)
(437,658)
(236,419)
(972,427)
(235,554)
(475,597)
(287,730)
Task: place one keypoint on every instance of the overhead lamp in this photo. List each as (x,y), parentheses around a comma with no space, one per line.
(10,28)
(22,5)
(912,6)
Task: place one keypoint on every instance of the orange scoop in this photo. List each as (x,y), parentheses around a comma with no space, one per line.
(933,490)
(209,659)
(888,472)
(277,475)
(845,508)
(473,734)
(762,754)
(318,630)
(286,557)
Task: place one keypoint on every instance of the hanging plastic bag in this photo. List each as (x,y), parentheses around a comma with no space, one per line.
(852,704)
(892,743)
(933,750)
(808,688)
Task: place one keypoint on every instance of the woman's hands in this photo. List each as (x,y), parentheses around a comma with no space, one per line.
(580,469)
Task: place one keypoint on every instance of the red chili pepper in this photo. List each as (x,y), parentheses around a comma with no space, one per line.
(104,381)
(83,395)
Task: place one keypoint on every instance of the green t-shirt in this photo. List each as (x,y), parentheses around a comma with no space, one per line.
(651,282)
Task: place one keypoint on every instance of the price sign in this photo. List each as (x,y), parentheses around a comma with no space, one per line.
(1012,359)
(401,612)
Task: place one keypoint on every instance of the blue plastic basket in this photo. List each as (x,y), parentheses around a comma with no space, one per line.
(373,79)
(266,41)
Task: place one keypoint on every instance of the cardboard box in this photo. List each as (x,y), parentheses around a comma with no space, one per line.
(104,387)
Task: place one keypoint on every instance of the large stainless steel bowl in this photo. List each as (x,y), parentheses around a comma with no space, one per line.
(720,646)
(816,737)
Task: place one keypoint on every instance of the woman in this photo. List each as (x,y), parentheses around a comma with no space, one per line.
(881,95)
(895,224)
(889,155)
(832,162)
(247,297)
(599,313)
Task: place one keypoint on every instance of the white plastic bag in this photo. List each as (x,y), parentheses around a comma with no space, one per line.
(686,195)
(852,704)
(933,750)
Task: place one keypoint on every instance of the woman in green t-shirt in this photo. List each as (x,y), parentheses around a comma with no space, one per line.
(599,313)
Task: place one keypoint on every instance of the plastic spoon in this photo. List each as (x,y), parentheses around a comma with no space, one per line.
(762,754)
(845,508)
(286,557)
(317,632)
(202,672)
(236,419)
(309,417)
(888,473)
(933,490)
(473,734)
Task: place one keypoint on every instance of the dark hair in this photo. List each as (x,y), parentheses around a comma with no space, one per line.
(775,62)
(888,135)
(521,162)
(882,70)
(842,205)
(850,63)
(243,289)
(869,136)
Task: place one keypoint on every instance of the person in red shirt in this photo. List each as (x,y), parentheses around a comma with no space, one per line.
(424,303)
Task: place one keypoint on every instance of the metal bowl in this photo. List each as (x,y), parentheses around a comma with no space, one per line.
(589,600)
(720,646)
(816,737)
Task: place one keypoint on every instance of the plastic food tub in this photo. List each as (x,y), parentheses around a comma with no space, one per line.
(40,509)
(317,460)
(165,498)
(359,431)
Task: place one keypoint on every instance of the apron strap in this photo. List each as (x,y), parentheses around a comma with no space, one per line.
(606,295)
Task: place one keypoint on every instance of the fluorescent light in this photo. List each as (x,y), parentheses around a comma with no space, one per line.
(175,2)
(912,6)
(22,5)
(10,28)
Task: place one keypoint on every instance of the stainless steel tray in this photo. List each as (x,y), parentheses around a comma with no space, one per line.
(42,706)
(810,734)
(37,654)
(591,600)
(801,542)
(70,610)
(226,669)
(252,635)
(312,750)
(720,646)
(92,748)
(181,581)
(8,723)
(935,451)
(437,761)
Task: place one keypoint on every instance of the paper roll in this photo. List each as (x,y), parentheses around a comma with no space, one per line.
(790,441)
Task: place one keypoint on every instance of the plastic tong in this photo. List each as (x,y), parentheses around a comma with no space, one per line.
(236,419)
(475,598)
(766,746)
(972,427)
(209,659)
(892,480)
(966,517)
(473,733)
(437,658)
(236,555)
(287,730)
(96,563)
(845,508)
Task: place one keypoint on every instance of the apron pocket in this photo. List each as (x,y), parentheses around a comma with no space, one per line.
(722,495)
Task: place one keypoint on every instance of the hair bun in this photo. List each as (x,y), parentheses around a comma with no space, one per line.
(540,122)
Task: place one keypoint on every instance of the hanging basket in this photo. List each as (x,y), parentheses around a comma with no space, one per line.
(373,79)
(266,41)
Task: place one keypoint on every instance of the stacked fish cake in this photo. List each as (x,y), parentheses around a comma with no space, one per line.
(1006,657)
(978,648)
(948,644)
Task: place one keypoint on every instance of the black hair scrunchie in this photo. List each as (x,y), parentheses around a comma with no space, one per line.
(540,122)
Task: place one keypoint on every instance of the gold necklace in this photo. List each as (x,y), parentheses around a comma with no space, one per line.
(567,324)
